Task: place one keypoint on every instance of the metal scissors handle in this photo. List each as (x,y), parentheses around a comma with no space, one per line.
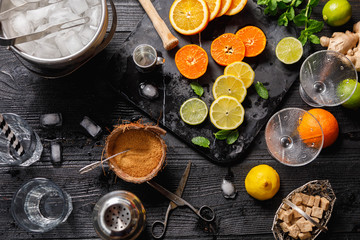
(161,225)
(205,212)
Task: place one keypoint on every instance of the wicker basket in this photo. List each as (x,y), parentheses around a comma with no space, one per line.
(121,129)
(316,187)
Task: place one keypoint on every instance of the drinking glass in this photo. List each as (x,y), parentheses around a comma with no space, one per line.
(320,76)
(294,137)
(29,140)
(40,205)
(146,58)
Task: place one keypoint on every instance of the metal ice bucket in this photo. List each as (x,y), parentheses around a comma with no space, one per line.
(60,67)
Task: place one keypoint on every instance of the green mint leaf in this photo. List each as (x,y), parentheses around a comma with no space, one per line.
(222,134)
(303,37)
(232,137)
(201,141)
(261,90)
(263,2)
(285,1)
(313,3)
(300,19)
(273,5)
(291,14)
(298,2)
(314,39)
(283,21)
(197,88)
(282,5)
(314,26)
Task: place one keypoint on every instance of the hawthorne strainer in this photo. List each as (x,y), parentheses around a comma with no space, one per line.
(119,215)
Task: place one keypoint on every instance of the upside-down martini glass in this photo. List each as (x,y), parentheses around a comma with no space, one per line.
(294,137)
(323,78)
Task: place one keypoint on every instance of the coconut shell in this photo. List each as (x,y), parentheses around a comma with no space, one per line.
(316,187)
(120,129)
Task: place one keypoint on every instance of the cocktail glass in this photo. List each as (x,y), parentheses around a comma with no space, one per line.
(294,137)
(320,76)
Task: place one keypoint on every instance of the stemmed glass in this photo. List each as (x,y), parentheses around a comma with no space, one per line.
(294,137)
(320,76)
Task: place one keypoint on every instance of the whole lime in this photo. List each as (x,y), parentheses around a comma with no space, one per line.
(337,12)
(344,90)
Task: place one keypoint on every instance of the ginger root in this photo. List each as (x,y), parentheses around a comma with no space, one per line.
(346,43)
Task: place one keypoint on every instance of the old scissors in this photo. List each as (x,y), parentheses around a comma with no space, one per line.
(205,212)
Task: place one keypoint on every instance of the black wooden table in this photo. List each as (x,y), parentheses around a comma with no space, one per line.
(87,93)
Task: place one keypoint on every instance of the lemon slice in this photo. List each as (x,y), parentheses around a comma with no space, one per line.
(229,85)
(193,111)
(289,50)
(189,17)
(226,113)
(241,70)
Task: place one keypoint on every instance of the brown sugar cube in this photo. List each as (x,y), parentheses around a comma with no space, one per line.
(305,198)
(316,220)
(317,201)
(324,204)
(296,213)
(305,235)
(304,225)
(296,199)
(284,226)
(294,231)
(288,216)
(317,212)
(308,211)
(310,203)
(281,214)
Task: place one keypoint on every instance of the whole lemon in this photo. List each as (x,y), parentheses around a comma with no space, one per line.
(262,182)
(337,12)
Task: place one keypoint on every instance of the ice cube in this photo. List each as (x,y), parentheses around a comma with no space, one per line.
(18,2)
(94,14)
(56,153)
(92,128)
(46,50)
(78,6)
(148,90)
(61,15)
(38,16)
(70,41)
(28,47)
(86,34)
(61,45)
(20,24)
(93,2)
(51,120)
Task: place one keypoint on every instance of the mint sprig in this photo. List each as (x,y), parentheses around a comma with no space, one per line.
(201,141)
(261,90)
(229,135)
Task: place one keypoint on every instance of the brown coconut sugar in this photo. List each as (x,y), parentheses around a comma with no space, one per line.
(144,155)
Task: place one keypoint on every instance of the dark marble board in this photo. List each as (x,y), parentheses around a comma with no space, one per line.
(276,76)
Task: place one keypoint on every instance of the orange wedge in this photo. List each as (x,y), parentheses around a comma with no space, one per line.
(225,5)
(236,7)
(189,17)
(214,8)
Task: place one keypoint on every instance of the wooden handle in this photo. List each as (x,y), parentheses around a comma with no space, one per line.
(169,40)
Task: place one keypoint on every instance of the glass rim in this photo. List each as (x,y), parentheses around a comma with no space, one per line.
(300,110)
(337,54)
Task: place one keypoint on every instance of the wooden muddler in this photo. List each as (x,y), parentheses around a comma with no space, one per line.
(169,40)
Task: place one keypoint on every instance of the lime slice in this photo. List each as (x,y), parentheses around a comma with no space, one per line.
(289,50)
(193,111)
(241,70)
(229,85)
(226,113)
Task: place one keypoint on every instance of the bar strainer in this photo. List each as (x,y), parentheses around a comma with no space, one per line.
(119,215)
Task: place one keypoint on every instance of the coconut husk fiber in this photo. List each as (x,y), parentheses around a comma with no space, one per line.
(146,155)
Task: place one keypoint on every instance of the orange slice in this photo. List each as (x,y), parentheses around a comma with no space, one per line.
(225,5)
(214,8)
(189,17)
(236,7)
(191,61)
(254,40)
(227,49)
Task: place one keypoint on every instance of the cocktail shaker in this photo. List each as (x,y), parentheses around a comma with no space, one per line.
(119,215)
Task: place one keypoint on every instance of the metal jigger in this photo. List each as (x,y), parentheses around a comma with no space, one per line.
(119,215)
